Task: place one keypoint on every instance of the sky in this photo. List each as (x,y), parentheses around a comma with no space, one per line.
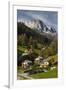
(50,18)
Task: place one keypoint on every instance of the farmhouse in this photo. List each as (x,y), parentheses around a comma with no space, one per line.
(53,68)
(26,64)
(38,59)
(44,64)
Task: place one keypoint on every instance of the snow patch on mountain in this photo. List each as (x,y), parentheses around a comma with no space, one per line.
(40,26)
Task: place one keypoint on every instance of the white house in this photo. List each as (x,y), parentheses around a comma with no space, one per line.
(26,64)
(38,59)
(52,68)
(45,64)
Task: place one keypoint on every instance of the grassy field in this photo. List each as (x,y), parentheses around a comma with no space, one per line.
(43,75)
(49,74)
(21,48)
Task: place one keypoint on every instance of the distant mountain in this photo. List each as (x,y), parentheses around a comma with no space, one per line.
(44,38)
(40,26)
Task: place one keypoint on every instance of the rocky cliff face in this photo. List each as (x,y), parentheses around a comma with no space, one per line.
(40,26)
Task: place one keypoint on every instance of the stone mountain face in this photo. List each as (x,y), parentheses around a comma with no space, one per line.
(40,26)
(35,24)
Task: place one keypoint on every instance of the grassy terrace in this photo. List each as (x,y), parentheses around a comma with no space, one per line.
(49,74)
(21,48)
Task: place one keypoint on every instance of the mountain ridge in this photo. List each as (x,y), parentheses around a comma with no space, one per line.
(40,26)
(41,37)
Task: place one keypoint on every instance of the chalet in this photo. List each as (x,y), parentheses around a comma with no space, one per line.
(52,68)
(38,59)
(44,64)
(26,64)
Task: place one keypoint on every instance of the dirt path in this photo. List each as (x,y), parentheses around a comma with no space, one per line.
(25,75)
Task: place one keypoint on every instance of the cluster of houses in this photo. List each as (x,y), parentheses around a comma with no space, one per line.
(39,60)
(43,63)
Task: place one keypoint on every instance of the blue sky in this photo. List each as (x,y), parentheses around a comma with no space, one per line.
(48,17)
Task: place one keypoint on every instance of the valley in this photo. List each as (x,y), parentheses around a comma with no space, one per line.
(37,52)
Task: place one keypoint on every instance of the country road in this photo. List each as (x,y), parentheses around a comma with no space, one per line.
(25,75)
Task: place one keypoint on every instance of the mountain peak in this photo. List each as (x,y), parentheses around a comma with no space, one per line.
(40,26)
